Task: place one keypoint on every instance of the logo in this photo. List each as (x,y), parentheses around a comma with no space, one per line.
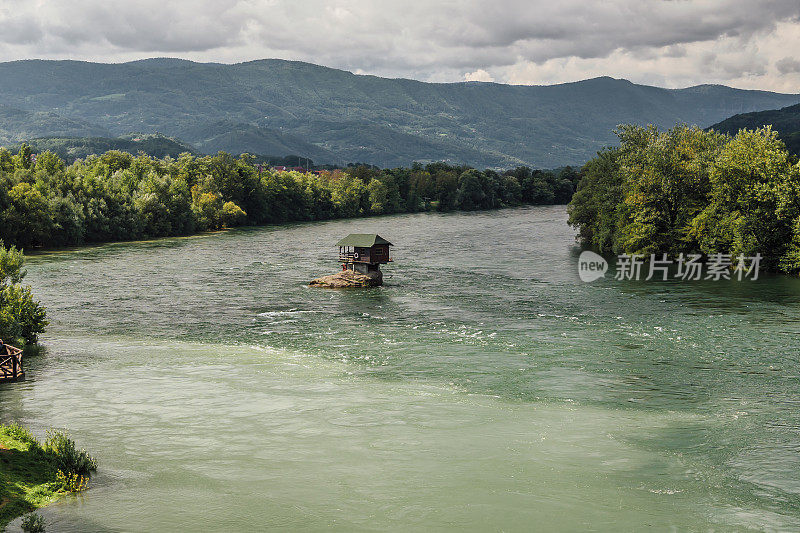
(591,266)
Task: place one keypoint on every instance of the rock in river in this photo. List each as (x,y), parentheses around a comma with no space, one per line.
(348,278)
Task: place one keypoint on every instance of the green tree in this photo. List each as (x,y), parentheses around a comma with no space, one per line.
(232,215)
(26,220)
(21,318)
(378,197)
(470,195)
(754,199)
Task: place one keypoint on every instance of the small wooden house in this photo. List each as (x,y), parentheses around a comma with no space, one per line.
(363,252)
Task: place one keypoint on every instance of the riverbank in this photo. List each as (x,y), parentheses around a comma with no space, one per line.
(33,475)
(26,477)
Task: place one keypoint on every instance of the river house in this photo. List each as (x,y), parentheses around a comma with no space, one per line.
(363,252)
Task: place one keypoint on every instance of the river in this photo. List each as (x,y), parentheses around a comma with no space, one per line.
(484,387)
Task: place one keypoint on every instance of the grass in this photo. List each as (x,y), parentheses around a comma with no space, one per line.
(33,475)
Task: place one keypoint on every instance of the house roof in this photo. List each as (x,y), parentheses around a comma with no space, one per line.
(363,240)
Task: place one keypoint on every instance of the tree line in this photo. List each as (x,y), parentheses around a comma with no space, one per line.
(687,190)
(117,196)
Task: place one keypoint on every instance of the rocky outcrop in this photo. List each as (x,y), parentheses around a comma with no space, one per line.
(348,278)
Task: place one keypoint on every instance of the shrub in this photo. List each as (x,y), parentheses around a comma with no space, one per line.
(67,458)
(71,482)
(33,523)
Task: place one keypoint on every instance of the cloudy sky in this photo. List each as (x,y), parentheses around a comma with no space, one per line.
(671,43)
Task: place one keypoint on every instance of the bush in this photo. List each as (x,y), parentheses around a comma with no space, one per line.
(67,458)
(32,523)
(71,482)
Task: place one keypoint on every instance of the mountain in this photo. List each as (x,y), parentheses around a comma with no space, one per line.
(18,124)
(237,137)
(273,104)
(72,148)
(785,121)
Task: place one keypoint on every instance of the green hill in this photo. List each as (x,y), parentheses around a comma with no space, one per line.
(785,121)
(18,124)
(352,117)
(237,137)
(72,148)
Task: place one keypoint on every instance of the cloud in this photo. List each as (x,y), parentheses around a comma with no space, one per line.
(478,75)
(788,65)
(521,41)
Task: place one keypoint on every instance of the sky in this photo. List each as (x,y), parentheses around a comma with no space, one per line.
(670,43)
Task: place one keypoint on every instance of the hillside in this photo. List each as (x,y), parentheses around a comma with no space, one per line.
(72,148)
(785,121)
(18,124)
(268,105)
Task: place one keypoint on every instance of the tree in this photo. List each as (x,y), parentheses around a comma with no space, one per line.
(470,195)
(23,158)
(378,197)
(26,221)
(593,209)
(232,215)
(754,199)
(665,185)
(21,318)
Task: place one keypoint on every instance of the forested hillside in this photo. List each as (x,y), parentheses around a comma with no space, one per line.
(71,148)
(330,115)
(785,121)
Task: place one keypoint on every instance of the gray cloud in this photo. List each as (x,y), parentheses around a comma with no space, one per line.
(788,65)
(416,38)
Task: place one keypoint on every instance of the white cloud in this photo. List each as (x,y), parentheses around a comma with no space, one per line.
(478,75)
(669,42)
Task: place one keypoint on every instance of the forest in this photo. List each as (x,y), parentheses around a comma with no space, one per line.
(687,190)
(117,196)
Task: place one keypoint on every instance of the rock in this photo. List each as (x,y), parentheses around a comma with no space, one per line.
(348,278)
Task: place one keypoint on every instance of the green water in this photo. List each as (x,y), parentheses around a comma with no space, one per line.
(483,388)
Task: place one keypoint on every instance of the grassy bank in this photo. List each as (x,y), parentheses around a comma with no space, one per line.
(33,474)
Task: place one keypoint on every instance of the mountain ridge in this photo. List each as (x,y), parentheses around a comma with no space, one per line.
(342,116)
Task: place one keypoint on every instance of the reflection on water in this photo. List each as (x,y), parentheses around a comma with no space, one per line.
(483,387)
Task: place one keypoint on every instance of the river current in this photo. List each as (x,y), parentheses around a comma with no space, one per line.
(484,387)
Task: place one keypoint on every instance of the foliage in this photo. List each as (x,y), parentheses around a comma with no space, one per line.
(34,475)
(71,148)
(20,433)
(692,191)
(33,523)
(68,459)
(118,196)
(71,482)
(21,317)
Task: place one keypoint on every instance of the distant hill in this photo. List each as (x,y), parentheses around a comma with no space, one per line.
(17,124)
(785,121)
(72,148)
(336,116)
(239,137)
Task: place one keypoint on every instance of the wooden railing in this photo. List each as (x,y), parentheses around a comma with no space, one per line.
(347,257)
(10,363)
